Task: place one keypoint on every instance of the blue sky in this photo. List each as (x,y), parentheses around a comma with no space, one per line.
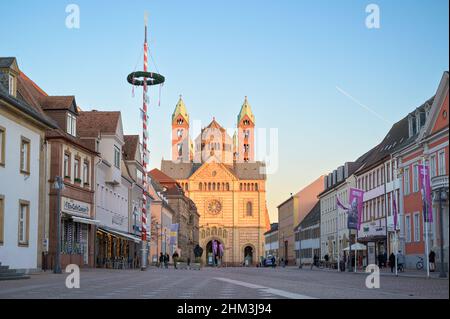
(288,57)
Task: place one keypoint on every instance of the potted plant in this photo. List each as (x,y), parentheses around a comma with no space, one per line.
(181,263)
(67,178)
(197,264)
(86,184)
(77,180)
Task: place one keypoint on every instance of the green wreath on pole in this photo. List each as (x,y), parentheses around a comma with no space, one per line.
(137,78)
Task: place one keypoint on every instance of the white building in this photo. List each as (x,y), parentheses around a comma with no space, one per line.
(307,237)
(334,233)
(271,241)
(22,173)
(113,185)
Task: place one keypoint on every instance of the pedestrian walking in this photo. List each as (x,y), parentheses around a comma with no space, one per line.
(315,261)
(166,261)
(161,260)
(273,262)
(392,261)
(432,260)
(282,262)
(400,261)
(175,258)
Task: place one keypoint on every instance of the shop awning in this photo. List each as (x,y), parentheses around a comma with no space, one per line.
(121,234)
(357,246)
(85,220)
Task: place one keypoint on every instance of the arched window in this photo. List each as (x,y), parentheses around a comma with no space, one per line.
(214,186)
(240,186)
(214,231)
(209,186)
(200,186)
(249,211)
(256,187)
(228,186)
(252,186)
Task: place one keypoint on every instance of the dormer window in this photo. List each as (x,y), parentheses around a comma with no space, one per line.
(412,125)
(11,85)
(180,121)
(71,124)
(246,122)
(116,156)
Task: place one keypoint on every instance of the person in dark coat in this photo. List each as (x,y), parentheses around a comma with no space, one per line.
(161,260)
(273,262)
(166,261)
(175,258)
(432,260)
(392,261)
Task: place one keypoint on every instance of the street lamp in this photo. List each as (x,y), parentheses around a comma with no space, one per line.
(442,193)
(59,186)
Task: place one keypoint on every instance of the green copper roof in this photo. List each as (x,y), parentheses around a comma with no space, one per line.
(180,108)
(246,110)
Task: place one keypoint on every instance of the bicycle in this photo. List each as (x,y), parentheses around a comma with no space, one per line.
(419,264)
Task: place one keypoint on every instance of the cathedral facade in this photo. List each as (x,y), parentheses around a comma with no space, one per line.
(219,173)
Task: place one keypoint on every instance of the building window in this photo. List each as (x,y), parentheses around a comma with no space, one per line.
(406,180)
(416,227)
(415,178)
(11,84)
(433,165)
(249,210)
(2,145)
(116,156)
(24,223)
(86,173)
(24,155)
(408,228)
(179,133)
(76,167)
(180,149)
(66,165)
(2,217)
(71,124)
(388,172)
(441,157)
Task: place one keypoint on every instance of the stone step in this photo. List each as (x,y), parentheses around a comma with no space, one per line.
(15,277)
(3,267)
(7,271)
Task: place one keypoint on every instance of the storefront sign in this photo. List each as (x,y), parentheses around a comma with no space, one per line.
(74,207)
(373,229)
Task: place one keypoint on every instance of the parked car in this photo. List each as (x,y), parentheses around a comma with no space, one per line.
(268,261)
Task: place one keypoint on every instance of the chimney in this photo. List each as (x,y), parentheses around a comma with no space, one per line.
(9,71)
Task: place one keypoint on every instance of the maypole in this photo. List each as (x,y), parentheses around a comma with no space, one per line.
(149,78)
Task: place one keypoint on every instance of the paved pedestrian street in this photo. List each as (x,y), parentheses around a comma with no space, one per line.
(222,283)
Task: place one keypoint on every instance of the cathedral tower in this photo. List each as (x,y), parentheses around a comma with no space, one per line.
(181,145)
(245,150)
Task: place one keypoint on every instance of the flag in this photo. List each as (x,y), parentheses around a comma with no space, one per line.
(173,234)
(394,211)
(356,198)
(425,189)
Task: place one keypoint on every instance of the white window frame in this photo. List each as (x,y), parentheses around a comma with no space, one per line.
(407,182)
(408,228)
(433,170)
(71,124)
(415,178)
(441,164)
(2,145)
(416,225)
(11,84)
(116,156)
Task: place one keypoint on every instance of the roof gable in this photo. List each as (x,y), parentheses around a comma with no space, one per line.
(213,170)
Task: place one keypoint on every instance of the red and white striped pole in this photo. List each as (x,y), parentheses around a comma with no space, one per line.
(144,157)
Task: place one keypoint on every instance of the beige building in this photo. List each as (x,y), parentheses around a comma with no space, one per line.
(228,187)
(291,212)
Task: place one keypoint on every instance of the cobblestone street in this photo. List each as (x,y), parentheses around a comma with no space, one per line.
(223,283)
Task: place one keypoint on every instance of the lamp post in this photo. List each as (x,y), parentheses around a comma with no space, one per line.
(442,196)
(59,186)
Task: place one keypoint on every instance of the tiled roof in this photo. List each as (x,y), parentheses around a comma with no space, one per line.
(92,123)
(161,177)
(6,62)
(22,104)
(313,217)
(130,147)
(243,171)
(58,102)
(273,228)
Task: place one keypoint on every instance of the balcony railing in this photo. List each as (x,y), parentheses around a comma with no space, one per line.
(438,182)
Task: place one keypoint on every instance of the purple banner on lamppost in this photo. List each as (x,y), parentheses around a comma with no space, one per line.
(355,210)
(425,189)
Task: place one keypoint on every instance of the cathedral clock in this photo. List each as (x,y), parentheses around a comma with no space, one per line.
(214,207)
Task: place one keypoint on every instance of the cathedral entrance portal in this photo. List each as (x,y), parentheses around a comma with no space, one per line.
(248,255)
(214,253)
